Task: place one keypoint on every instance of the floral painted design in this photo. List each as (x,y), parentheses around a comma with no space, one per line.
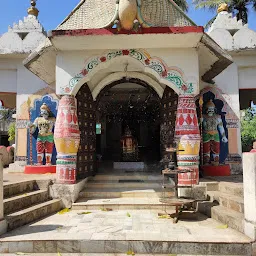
(172,75)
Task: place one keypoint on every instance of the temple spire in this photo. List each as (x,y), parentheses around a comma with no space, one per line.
(32,10)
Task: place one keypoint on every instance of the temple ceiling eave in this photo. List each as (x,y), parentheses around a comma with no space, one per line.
(213,60)
(91,39)
(42,63)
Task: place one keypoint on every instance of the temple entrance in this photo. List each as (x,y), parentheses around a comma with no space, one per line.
(128,122)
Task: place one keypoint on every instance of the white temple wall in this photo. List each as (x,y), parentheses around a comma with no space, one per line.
(15,78)
(228,83)
(70,63)
(246,78)
(8,75)
(246,69)
(27,84)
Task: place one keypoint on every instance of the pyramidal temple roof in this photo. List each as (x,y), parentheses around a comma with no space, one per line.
(93,14)
(23,37)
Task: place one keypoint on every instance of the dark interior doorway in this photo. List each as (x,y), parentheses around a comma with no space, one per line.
(130,104)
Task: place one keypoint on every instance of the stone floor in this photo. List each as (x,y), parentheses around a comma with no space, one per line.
(99,254)
(118,231)
(17,177)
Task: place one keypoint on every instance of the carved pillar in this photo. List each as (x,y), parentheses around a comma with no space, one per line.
(187,136)
(67,140)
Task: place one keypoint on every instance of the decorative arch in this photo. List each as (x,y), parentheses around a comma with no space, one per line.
(119,75)
(171,76)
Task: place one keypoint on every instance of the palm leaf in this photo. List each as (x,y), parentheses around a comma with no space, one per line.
(182,4)
(254,4)
(209,4)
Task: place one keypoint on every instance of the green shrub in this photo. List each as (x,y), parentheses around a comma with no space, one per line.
(248,130)
(11,131)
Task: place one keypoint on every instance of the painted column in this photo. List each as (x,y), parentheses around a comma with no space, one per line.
(67,140)
(187,137)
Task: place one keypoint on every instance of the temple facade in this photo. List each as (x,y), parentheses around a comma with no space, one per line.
(125,85)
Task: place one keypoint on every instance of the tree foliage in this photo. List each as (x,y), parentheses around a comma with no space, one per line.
(182,4)
(248,130)
(240,8)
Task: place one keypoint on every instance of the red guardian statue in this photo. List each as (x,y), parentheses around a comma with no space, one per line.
(45,140)
(212,127)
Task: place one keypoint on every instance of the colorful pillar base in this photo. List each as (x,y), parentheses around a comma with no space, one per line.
(187,137)
(67,140)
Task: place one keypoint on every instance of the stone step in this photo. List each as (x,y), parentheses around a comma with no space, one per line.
(232,218)
(17,188)
(209,184)
(25,200)
(32,213)
(107,254)
(117,184)
(119,204)
(121,192)
(121,247)
(234,203)
(231,188)
(128,176)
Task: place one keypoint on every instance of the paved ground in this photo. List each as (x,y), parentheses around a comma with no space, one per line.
(100,254)
(17,177)
(125,225)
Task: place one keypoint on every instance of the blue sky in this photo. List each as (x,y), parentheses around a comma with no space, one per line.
(52,12)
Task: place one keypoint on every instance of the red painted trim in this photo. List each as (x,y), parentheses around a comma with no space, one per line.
(114,31)
(43,169)
(247,89)
(220,170)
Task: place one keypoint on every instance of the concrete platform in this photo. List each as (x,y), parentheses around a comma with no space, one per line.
(120,231)
(103,254)
(129,165)
(131,203)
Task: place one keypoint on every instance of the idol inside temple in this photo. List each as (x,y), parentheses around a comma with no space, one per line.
(129,146)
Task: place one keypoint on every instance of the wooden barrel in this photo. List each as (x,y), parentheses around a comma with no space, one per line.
(67,140)
(187,137)
(127,13)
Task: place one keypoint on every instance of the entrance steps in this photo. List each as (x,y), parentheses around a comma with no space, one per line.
(123,190)
(108,254)
(226,204)
(24,202)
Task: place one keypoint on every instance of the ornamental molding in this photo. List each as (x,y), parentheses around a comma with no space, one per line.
(170,76)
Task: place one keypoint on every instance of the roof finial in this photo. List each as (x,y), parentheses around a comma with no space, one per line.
(222,7)
(32,10)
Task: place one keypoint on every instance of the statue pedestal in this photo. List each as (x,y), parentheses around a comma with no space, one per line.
(220,170)
(41,169)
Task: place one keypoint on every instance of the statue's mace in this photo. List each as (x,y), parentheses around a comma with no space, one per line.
(30,135)
(201,102)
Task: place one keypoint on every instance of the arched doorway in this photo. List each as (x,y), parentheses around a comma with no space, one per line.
(127,102)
